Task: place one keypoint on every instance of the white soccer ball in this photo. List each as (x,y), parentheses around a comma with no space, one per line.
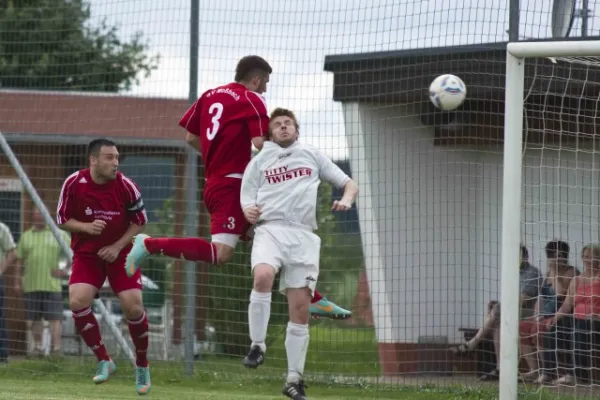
(447,92)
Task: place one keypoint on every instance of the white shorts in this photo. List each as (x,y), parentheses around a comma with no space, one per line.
(228,239)
(293,251)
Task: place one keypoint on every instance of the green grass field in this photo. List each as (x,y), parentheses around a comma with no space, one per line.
(333,353)
(213,386)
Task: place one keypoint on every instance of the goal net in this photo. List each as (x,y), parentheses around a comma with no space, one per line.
(416,260)
(559,222)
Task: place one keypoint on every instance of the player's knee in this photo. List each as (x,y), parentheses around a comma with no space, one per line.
(80,298)
(134,311)
(131,303)
(264,275)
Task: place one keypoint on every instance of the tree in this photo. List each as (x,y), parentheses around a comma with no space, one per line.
(49,44)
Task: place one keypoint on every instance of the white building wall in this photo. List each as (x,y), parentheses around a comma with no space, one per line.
(430,219)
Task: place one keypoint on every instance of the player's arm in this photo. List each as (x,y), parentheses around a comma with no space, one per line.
(91,228)
(193,141)
(258,119)
(136,211)
(191,123)
(350,193)
(333,174)
(64,211)
(249,191)
(128,236)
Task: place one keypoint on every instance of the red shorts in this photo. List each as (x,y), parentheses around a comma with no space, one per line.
(222,199)
(94,271)
(530,330)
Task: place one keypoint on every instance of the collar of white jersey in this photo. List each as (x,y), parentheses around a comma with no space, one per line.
(272,145)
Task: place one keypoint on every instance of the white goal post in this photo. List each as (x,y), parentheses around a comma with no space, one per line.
(516,54)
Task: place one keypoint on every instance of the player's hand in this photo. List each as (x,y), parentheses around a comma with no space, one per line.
(341,205)
(95,228)
(109,253)
(252,214)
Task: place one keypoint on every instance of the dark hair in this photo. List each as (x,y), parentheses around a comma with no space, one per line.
(524,252)
(95,145)
(250,66)
(557,248)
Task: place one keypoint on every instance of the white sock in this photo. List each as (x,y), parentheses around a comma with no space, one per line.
(259,312)
(296,347)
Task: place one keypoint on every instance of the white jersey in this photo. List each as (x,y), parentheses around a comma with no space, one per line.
(283,183)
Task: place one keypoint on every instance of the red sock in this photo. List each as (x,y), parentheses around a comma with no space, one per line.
(316,297)
(88,328)
(191,249)
(139,335)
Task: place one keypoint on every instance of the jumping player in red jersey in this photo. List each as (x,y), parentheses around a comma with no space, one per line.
(104,210)
(222,125)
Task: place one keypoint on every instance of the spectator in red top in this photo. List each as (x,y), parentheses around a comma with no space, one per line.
(583,298)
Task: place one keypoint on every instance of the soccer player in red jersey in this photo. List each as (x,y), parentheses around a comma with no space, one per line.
(222,125)
(103,210)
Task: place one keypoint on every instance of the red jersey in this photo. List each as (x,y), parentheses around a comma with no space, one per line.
(119,203)
(226,119)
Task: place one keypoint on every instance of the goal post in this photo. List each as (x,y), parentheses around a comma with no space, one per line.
(516,55)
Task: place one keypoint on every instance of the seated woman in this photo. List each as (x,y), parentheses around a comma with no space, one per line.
(583,299)
(535,330)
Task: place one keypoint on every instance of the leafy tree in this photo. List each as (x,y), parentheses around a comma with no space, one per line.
(50,44)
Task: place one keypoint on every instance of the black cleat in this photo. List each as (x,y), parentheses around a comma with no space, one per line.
(254,358)
(295,391)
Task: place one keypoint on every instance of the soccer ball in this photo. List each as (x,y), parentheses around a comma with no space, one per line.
(447,92)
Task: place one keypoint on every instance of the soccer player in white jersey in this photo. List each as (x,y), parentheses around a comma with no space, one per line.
(279,195)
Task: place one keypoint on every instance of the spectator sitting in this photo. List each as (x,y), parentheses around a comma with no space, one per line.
(583,299)
(530,280)
(535,332)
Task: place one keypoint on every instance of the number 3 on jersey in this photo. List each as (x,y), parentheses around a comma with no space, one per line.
(216,111)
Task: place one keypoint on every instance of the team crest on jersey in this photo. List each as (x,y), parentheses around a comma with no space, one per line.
(284,173)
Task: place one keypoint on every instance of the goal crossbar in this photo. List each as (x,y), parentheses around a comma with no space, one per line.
(517,52)
(554,49)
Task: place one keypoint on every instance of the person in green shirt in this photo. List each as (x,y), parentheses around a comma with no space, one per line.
(38,277)
(7,257)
